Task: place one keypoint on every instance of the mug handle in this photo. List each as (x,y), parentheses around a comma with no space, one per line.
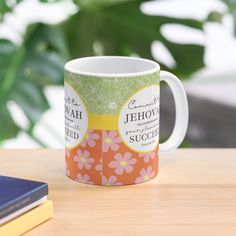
(181,111)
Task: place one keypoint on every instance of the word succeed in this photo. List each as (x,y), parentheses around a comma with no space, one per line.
(139,120)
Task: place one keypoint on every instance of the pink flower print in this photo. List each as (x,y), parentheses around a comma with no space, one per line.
(84,160)
(67,170)
(145,175)
(90,139)
(110,140)
(112,180)
(147,156)
(83,179)
(67,152)
(123,163)
(98,167)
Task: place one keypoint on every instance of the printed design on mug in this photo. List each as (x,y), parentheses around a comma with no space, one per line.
(138,122)
(107,95)
(111,137)
(115,164)
(76,118)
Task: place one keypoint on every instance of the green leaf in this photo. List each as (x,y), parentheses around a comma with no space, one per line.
(189,58)
(98,4)
(7,6)
(232,10)
(122,29)
(8,128)
(25,70)
(4,7)
(79,33)
(101,27)
(30,99)
(7,53)
(49,1)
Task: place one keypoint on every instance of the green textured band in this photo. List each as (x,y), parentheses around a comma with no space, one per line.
(107,95)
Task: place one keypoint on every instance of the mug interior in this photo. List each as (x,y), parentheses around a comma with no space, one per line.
(109,66)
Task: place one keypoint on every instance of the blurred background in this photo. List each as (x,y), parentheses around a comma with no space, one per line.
(195,39)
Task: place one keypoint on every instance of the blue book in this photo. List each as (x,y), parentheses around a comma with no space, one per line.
(16,194)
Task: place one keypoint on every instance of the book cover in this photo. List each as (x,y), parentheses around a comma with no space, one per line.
(28,221)
(22,211)
(16,194)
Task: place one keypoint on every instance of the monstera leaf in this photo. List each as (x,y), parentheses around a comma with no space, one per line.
(7,6)
(25,71)
(101,27)
(232,10)
(92,5)
(120,28)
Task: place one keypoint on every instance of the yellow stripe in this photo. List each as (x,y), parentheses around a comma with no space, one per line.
(107,122)
(28,220)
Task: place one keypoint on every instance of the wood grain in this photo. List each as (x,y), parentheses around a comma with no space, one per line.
(194,194)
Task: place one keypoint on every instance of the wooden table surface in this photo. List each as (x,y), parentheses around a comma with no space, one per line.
(194,194)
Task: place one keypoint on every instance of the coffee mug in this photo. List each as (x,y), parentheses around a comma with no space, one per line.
(112,119)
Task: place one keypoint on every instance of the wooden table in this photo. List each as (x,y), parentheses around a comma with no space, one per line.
(194,194)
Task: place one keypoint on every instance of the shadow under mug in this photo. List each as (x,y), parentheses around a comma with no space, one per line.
(112,119)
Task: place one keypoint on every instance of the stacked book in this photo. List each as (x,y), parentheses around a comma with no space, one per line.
(23,205)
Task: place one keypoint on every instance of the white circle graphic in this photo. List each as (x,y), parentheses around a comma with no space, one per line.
(139,120)
(76,118)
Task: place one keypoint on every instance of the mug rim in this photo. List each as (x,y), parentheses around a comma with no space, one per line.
(69,66)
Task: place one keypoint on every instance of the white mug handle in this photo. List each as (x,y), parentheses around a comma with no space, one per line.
(181,111)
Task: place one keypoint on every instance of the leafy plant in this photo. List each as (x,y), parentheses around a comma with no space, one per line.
(232,10)
(24,73)
(107,27)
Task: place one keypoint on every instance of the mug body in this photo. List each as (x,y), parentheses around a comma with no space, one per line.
(112,120)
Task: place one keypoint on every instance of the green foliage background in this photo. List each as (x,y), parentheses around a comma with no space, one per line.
(101,27)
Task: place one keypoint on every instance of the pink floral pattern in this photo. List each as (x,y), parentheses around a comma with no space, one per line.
(110,140)
(145,175)
(123,163)
(90,139)
(84,160)
(147,156)
(67,152)
(98,167)
(112,180)
(67,169)
(84,179)
(102,158)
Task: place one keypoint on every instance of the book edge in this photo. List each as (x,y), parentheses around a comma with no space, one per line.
(29,220)
(21,211)
(34,195)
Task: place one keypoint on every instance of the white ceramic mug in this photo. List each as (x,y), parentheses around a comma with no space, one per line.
(112,119)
